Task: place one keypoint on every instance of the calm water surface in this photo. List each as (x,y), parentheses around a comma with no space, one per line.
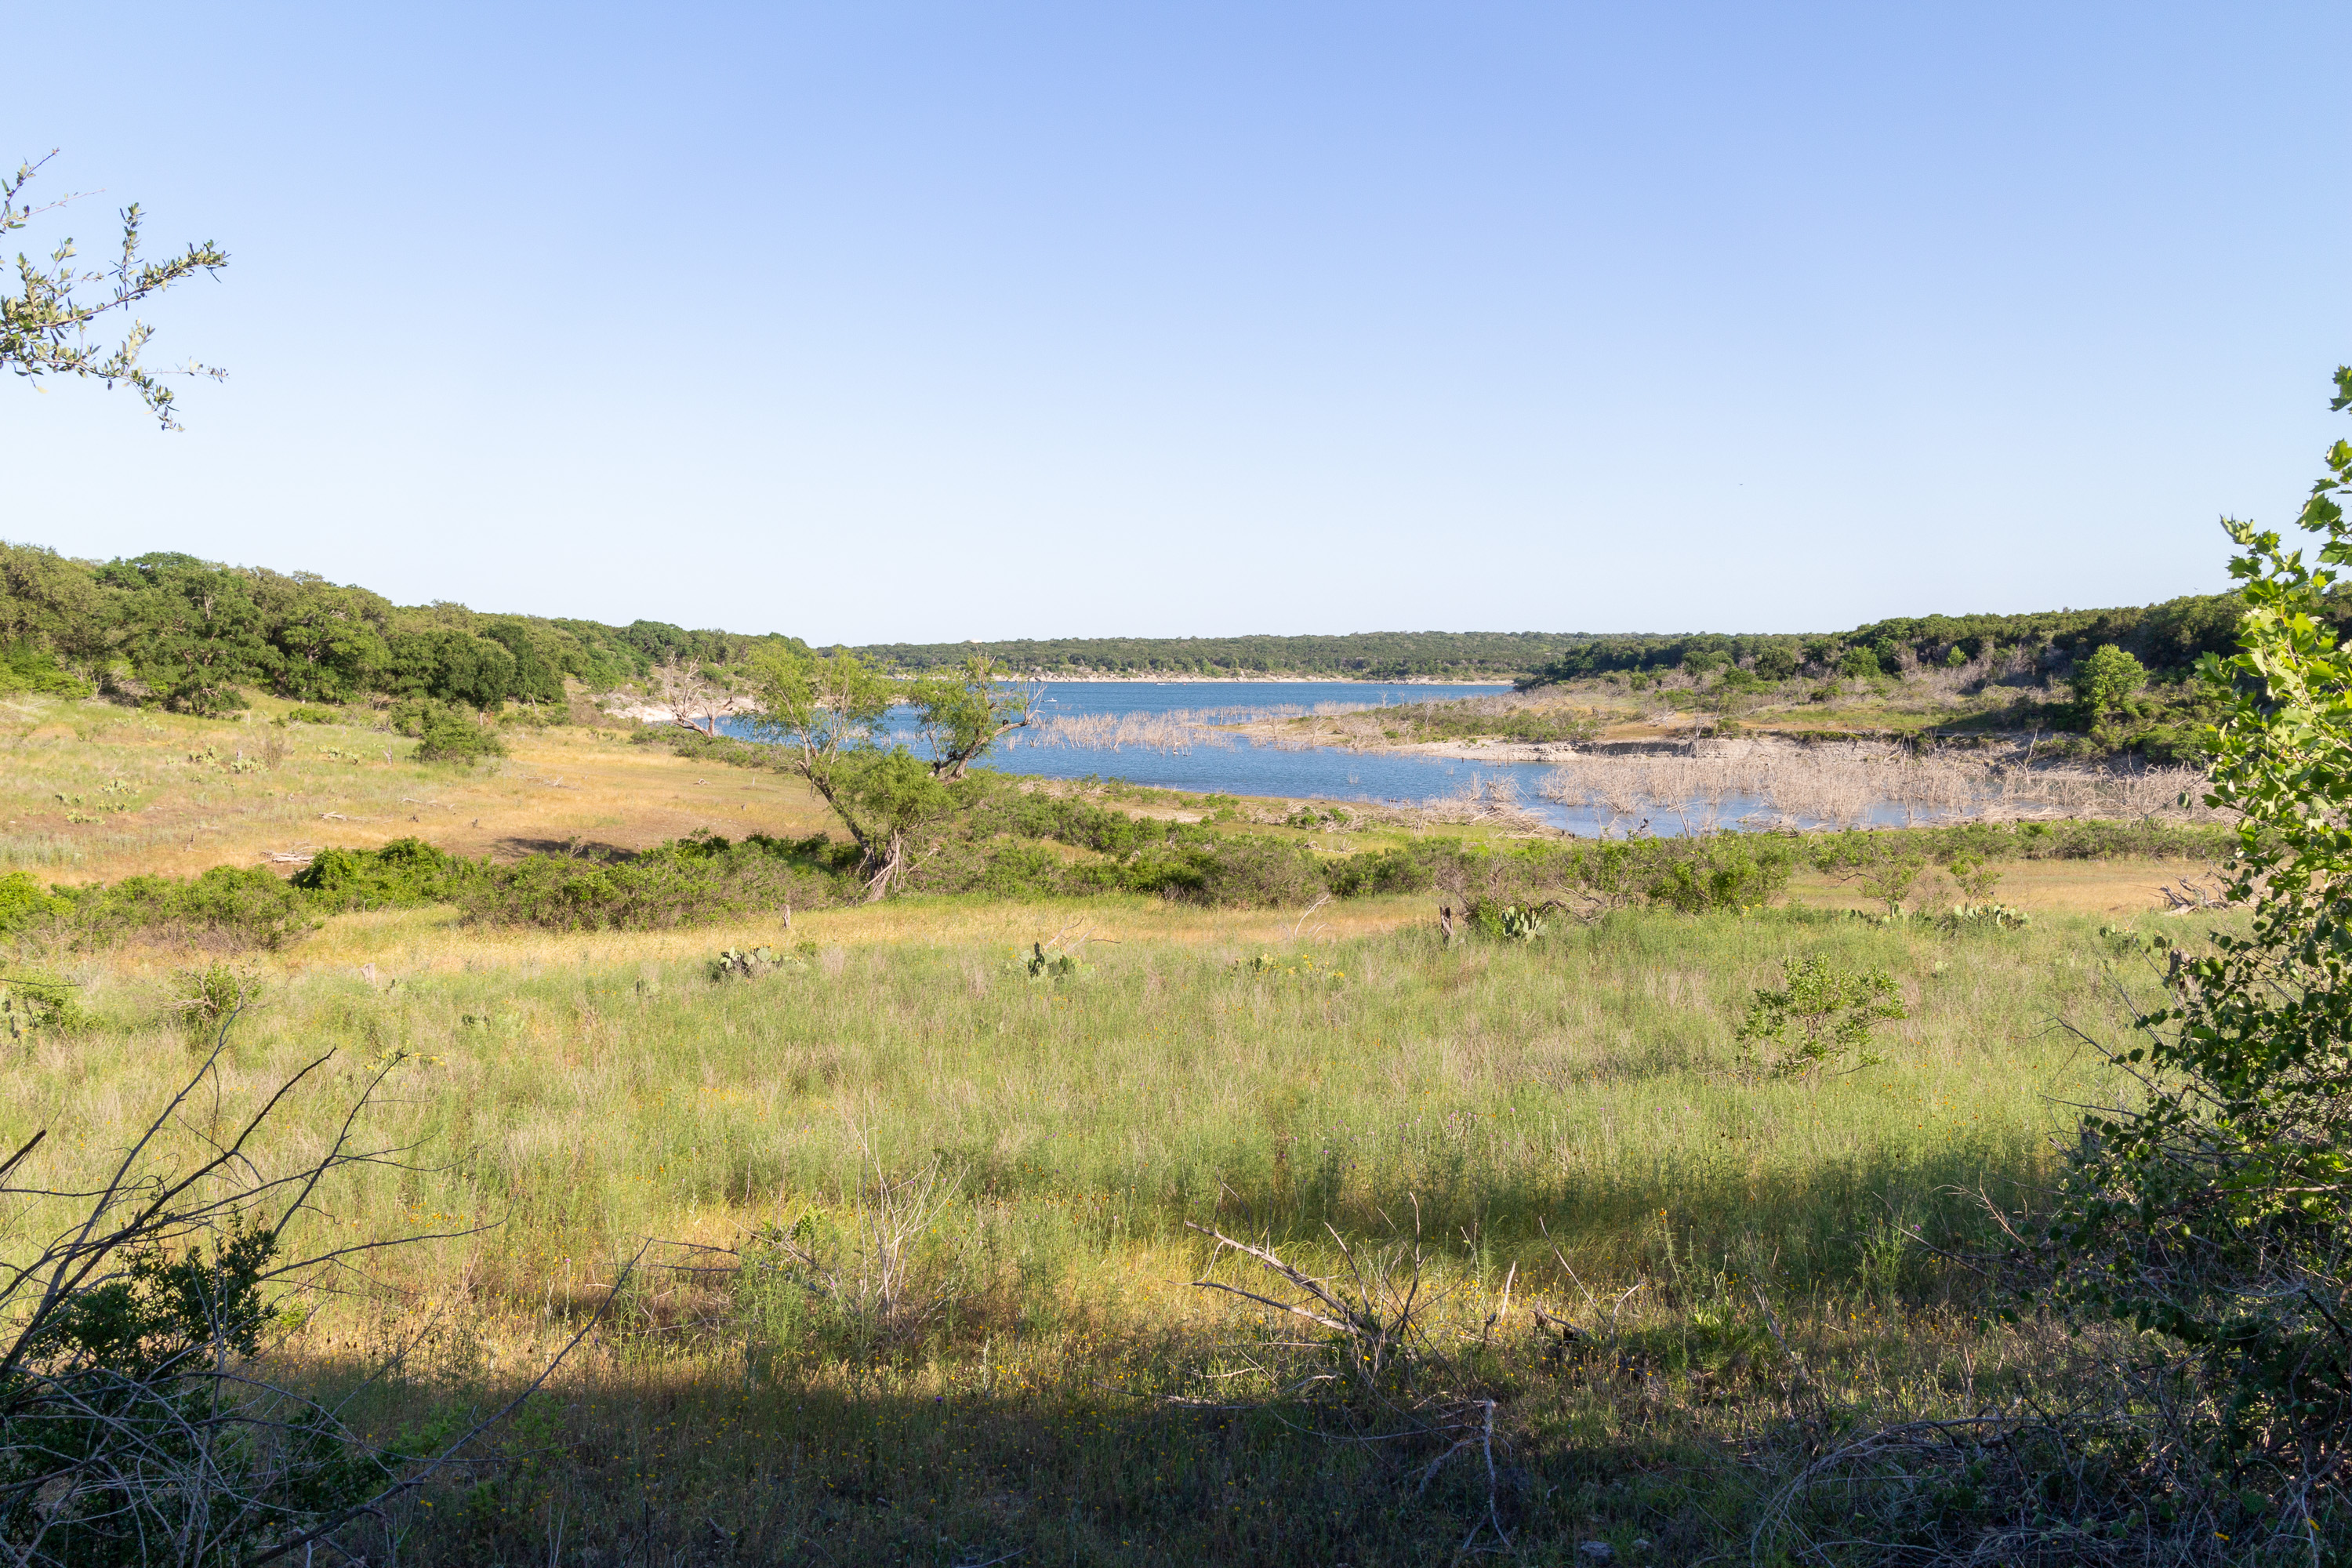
(1247,767)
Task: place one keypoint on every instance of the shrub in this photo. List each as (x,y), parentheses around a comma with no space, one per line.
(1232,873)
(2211,1213)
(452,735)
(1722,871)
(1860,664)
(403,874)
(687,882)
(225,905)
(1975,877)
(24,904)
(305,715)
(1822,1015)
(33,1006)
(27,668)
(208,998)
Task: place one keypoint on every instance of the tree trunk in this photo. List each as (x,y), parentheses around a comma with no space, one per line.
(892,868)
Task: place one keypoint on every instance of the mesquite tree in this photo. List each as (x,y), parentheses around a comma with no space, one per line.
(828,714)
(46,325)
(2214,1212)
(964,714)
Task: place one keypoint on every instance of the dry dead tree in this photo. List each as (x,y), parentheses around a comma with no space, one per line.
(1484,798)
(1378,1322)
(693,700)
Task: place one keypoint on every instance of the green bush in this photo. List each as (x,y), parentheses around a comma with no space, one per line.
(452,735)
(227,904)
(2206,1211)
(27,668)
(403,874)
(24,904)
(687,881)
(1821,1015)
(1723,871)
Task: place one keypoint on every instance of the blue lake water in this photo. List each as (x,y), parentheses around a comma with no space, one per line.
(1247,767)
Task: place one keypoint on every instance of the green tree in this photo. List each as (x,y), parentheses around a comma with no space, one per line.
(46,325)
(2215,1212)
(538,663)
(193,631)
(964,714)
(450,664)
(826,712)
(329,639)
(52,603)
(2104,686)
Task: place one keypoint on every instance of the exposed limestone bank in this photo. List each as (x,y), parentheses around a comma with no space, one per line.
(643,712)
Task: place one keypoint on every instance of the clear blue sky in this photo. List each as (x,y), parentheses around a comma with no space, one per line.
(878,322)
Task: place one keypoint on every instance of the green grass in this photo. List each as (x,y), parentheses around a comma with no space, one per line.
(1584,1090)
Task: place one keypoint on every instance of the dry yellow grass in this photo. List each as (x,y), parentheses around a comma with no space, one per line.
(2120,886)
(90,791)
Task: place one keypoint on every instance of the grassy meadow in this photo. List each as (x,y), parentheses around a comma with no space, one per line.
(882,1255)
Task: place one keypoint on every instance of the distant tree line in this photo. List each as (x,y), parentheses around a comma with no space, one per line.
(1358,656)
(192,634)
(2167,639)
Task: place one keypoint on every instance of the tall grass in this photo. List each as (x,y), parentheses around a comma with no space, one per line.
(1590,1082)
(581,1095)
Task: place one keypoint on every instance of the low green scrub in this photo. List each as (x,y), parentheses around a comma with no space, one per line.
(700,878)
(446,732)
(687,882)
(1013,843)
(227,906)
(403,874)
(26,669)
(2143,838)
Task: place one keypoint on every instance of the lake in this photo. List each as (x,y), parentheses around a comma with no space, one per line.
(1164,735)
(1166,755)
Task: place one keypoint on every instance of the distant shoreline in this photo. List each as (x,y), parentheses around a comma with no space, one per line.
(1263,680)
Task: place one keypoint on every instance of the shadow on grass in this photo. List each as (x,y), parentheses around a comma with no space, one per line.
(595,853)
(698,1472)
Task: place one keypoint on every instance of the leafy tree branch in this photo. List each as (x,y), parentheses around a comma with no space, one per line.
(46,323)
